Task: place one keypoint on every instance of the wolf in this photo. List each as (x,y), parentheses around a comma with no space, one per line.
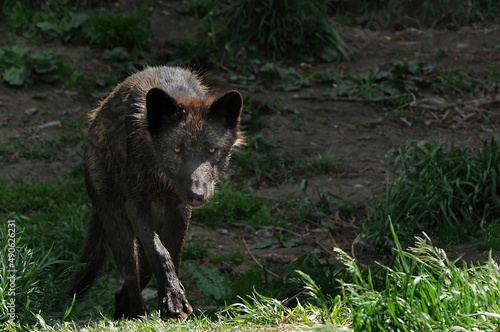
(153,151)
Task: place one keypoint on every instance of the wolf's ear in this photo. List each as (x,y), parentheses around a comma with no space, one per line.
(159,104)
(228,106)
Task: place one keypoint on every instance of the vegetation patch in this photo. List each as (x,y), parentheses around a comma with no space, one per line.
(444,191)
(274,28)
(422,291)
(236,206)
(19,66)
(109,30)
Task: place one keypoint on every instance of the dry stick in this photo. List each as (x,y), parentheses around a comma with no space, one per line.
(255,259)
(352,247)
(287,301)
(333,240)
(324,248)
(343,223)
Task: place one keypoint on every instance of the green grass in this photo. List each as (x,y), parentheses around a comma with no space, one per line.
(77,23)
(195,251)
(235,257)
(423,291)
(264,160)
(44,19)
(278,28)
(51,148)
(239,35)
(234,206)
(323,163)
(49,219)
(109,30)
(390,79)
(420,290)
(460,82)
(447,192)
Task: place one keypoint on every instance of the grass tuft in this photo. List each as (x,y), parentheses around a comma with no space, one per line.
(232,206)
(423,291)
(443,191)
(107,30)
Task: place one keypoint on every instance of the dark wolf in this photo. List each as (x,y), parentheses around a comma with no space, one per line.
(153,151)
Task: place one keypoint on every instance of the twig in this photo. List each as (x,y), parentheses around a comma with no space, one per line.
(445,115)
(333,240)
(287,301)
(408,123)
(324,248)
(281,229)
(343,223)
(256,261)
(352,247)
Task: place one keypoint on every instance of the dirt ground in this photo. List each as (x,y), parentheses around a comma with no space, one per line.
(360,134)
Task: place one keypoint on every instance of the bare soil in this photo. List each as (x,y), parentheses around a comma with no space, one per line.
(360,134)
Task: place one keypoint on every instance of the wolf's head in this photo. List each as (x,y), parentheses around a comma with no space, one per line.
(192,140)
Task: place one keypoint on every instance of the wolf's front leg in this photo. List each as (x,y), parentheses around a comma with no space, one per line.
(172,300)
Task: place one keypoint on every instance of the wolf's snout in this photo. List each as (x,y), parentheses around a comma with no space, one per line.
(196,196)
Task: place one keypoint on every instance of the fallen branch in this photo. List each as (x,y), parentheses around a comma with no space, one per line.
(342,223)
(325,249)
(256,261)
(286,302)
(333,240)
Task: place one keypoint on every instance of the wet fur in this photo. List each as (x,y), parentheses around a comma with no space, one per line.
(142,190)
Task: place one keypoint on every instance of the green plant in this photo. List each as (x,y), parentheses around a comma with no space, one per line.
(19,66)
(483,11)
(264,160)
(255,119)
(443,191)
(107,30)
(267,311)
(422,291)
(99,86)
(391,79)
(320,164)
(281,28)
(241,33)
(208,279)
(455,81)
(44,19)
(235,206)
(235,257)
(460,82)
(195,251)
(324,209)
(285,79)
(19,271)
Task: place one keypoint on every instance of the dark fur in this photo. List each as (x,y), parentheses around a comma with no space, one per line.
(149,159)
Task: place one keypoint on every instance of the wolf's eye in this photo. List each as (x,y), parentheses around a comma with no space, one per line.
(177,150)
(211,150)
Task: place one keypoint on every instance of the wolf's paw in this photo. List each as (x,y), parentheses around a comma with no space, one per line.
(174,305)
